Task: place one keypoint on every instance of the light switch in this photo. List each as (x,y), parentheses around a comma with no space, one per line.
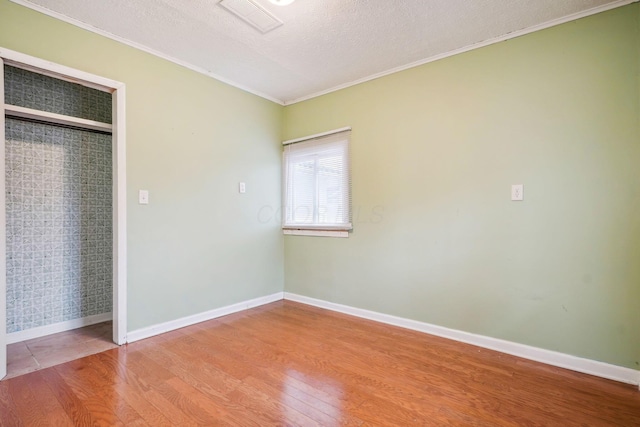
(143,197)
(242,188)
(517,192)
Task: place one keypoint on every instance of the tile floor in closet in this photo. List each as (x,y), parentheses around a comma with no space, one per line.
(40,353)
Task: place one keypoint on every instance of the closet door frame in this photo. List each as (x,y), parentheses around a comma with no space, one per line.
(117,89)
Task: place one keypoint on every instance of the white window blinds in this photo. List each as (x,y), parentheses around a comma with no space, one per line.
(317,183)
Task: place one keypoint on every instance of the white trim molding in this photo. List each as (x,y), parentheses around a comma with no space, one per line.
(514,34)
(118,128)
(58,71)
(317,135)
(317,233)
(553,358)
(43,331)
(119,162)
(185,64)
(161,328)
(60,119)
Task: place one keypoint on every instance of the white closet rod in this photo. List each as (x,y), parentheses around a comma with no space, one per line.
(58,119)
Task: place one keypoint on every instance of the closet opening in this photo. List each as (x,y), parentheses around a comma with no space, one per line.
(63,214)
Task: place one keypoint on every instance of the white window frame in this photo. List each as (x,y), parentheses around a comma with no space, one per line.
(315,229)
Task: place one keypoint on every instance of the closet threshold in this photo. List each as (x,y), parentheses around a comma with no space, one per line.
(30,114)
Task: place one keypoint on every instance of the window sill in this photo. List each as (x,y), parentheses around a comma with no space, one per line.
(316,233)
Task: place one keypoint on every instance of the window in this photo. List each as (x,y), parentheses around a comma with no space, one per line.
(317,185)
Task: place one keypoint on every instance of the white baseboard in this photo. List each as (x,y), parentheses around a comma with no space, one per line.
(67,325)
(562,360)
(161,328)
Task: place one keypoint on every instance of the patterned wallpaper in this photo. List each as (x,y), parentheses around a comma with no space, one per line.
(59,215)
(31,90)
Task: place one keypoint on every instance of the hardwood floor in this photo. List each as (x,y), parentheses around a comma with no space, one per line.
(290,364)
(39,353)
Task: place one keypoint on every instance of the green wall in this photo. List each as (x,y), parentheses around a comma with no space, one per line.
(435,150)
(199,244)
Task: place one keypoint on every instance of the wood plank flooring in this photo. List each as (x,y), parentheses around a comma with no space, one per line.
(287,364)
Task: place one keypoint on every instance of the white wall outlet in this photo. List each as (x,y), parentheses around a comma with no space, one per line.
(517,192)
(143,197)
(242,188)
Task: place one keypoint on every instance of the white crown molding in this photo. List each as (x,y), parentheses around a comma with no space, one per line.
(548,24)
(562,360)
(43,331)
(141,47)
(161,328)
(545,25)
(58,71)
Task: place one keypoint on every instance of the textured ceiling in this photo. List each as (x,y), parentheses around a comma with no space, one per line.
(323,44)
